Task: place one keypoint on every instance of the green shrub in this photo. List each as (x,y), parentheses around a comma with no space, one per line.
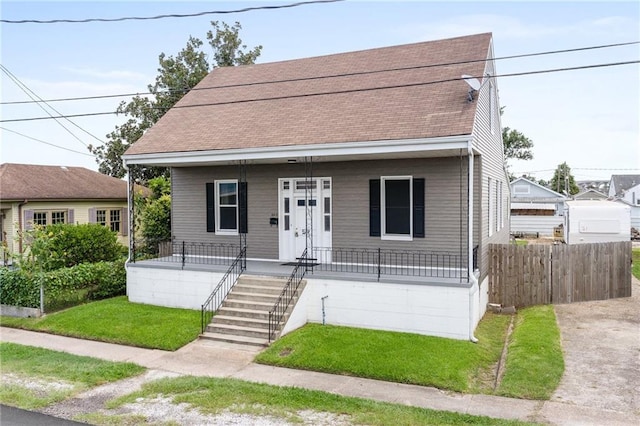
(65,245)
(63,287)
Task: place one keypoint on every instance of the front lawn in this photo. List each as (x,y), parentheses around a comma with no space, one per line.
(433,361)
(117,320)
(35,377)
(635,268)
(212,396)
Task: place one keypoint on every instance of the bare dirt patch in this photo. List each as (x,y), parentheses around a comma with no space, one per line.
(601,344)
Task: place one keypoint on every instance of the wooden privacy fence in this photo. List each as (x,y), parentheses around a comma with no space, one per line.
(540,274)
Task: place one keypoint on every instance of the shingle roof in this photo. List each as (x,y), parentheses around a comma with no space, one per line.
(35,182)
(244,112)
(623,182)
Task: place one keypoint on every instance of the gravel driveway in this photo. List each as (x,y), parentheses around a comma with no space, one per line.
(601,343)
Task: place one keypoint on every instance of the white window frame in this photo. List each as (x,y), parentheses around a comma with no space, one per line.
(383,211)
(492,219)
(217,184)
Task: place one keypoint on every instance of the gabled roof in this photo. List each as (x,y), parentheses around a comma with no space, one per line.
(550,195)
(623,182)
(390,93)
(35,182)
(590,194)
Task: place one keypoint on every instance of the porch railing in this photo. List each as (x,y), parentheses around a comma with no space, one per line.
(223,288)
(385,262)
(288,292)
(185,252)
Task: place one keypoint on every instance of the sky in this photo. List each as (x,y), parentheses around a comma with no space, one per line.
(589,118)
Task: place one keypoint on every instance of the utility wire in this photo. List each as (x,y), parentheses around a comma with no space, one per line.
(173,15)
(45,142)
(306,95)
(30,92)
(355,73)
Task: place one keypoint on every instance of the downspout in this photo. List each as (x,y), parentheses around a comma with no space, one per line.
(472,277)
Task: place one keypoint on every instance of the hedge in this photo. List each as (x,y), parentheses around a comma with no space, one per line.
(63,287)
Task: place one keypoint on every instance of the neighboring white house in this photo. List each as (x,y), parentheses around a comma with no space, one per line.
(626,189)
(534,208)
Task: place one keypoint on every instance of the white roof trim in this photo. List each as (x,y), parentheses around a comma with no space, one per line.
(533,206)
(298,151)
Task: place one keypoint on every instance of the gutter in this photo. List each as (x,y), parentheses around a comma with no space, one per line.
(472,277)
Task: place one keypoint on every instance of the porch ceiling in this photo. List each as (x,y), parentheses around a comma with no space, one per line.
(375,150)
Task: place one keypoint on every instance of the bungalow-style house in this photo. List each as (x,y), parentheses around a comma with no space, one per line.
(377,173)
(534,208)
(34,194)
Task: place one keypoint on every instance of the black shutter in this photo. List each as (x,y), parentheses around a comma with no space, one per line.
(211,208)
(418,208)
(242,206)
(374,207)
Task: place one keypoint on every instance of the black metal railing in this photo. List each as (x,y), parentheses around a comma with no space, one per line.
(184,252)
(381,262)
(223,288)
(287,294)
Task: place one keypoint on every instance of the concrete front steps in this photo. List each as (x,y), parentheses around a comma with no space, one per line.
(244,315)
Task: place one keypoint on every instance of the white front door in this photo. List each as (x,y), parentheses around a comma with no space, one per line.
(295,223)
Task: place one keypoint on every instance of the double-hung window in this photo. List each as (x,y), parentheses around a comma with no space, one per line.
(396,201)
(226,206)
(396,208)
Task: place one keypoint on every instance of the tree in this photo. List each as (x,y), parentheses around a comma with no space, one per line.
(516,146)
(563,181)
(176,76)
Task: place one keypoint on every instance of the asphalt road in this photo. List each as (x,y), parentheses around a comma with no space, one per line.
(11,416)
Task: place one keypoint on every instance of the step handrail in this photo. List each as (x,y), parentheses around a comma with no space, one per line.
(227,282)
(288,292)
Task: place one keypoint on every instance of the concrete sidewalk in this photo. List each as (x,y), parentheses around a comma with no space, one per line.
(205,358)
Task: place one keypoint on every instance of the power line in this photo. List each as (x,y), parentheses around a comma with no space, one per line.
(355,73)
(45,142)
(30,92)
(173,15)
(396,86)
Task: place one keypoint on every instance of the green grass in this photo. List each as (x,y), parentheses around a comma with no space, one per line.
(117,320)
(535,363)
(521,242)
(533,369)
(635,268)
(76,371)
(211,395)
(456,365)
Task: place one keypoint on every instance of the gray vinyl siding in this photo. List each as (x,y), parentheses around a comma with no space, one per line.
(491,149)
(445,203)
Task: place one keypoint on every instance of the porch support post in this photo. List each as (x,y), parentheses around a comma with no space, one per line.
(132,211)
(308,195)
(243,232)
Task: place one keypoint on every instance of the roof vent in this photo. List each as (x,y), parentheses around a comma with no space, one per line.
(64,168)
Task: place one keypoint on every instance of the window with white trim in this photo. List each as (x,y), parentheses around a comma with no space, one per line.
(40,218)
(226,206)
(396,199)
(491,211)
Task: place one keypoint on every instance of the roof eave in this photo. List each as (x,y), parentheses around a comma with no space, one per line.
(319,152)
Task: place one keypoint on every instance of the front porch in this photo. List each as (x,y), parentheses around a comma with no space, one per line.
(418,292)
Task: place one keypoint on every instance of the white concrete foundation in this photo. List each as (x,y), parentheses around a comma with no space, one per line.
(173,288)
(429,309)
